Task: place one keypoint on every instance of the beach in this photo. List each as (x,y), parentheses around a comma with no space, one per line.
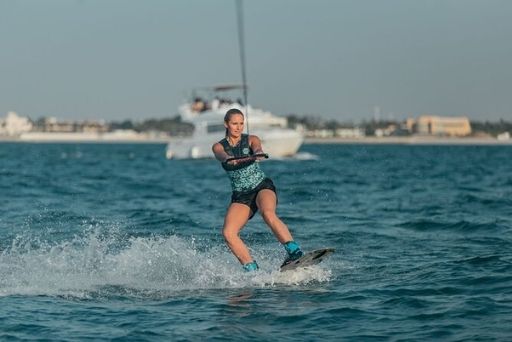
(113,138)
(411,140)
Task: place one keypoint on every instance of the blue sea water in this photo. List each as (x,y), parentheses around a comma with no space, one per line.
(114,242)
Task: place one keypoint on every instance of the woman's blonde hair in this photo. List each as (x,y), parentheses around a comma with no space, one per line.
(229,114)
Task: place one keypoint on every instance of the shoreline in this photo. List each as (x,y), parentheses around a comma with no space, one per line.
(82,140)
(411,140)
(106,142)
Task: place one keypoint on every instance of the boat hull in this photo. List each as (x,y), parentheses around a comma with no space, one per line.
(278,143)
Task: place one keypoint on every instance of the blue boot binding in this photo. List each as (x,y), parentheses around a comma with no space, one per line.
(293,250)
(251,266)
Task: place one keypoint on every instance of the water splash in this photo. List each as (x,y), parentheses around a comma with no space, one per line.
(298,156)
(306,156)
(96,264)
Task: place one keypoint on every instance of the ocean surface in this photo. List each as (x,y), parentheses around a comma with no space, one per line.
(114,242)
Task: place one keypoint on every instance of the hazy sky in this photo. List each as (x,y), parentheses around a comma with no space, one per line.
(120,59)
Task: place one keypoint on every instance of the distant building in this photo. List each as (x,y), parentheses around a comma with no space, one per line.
(320,133)
(503,136)
(93,127)
(14,125)
(51,124)
(386,132)
(350,132)
(437,125)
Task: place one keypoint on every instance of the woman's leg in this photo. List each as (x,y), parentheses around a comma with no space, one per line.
(236,217)
(267,202)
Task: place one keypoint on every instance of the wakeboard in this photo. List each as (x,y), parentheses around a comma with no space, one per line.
(308,259)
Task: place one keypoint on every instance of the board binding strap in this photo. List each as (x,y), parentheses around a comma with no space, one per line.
(308,259)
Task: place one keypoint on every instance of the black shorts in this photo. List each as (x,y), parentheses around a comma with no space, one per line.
(249,197)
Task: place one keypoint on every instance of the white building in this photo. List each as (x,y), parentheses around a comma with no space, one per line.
(440,125)
(350,132)
(14,125)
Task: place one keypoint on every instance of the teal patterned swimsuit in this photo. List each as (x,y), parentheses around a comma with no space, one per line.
(244,176)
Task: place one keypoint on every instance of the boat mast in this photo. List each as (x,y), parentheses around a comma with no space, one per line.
(241,47)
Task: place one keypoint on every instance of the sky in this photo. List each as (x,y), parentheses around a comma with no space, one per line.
(348,60)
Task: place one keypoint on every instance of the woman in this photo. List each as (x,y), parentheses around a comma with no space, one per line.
(252,191)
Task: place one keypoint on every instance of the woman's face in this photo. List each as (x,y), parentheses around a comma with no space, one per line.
(235,125)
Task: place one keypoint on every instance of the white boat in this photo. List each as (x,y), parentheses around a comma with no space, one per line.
(208,120)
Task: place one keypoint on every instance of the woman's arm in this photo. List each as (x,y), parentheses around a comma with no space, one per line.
(223,157)
(255,144)
(257,149)
(219,153)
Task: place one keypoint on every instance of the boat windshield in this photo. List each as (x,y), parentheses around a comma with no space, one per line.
(215,128)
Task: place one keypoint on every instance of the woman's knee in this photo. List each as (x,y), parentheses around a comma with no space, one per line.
(269,216)
(229,233)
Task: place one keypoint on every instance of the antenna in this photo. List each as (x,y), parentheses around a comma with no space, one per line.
(241,47)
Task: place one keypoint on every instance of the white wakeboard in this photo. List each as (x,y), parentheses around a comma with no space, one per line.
(308,259)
